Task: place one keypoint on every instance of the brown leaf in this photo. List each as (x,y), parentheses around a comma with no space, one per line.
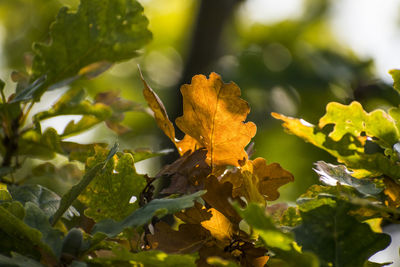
(271,177)
(218,196)
(186,173)
(188,239)
(257,181)
(195,215)
(160,114)
(214,115)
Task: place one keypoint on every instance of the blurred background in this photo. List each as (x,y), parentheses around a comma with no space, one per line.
(287,56)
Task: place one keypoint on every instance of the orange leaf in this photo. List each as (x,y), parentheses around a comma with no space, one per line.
(219,226)
(214,115)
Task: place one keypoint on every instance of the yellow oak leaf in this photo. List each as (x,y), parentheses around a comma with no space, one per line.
(219,226)
(214,115)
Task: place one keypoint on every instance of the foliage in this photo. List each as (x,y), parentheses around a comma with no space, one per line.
(212,205)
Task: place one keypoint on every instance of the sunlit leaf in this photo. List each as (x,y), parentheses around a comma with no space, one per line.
(257,181)
(396,78)
(100,30)
(76,190)
(348,150)
(109,194)
(354,120)
(154,258)
(214,115)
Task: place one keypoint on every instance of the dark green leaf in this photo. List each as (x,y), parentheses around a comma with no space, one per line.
(37,219)
(156,207)
(338,238)
(20,234)
(18,260)
(45,199)
(142,153)
(73,193)
(279,241)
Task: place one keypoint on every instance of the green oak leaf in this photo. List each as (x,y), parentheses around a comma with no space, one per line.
(141,216)
(40,145)
(151,258)
(85,43)
(36,218)
(348,150)
(44,198)
(396,79)
(23,238)
(110,193)
(337,238)
(18,260)
(279,241)
(352,119)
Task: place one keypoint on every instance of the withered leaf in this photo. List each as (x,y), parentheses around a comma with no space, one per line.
(218,196)
(188,239)
(194,215)
(214,115)
(271,177)
(257,181)
(160,114)
(186,173)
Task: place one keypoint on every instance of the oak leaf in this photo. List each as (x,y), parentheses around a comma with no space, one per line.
(257,181)
(214,115)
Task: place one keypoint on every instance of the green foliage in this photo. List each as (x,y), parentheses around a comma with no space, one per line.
(99,31)
(337,238)
(109,194)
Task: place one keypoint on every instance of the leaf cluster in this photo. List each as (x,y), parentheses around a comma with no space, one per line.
(212,205)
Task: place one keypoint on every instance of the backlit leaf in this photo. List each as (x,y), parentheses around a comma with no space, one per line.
(154,258)
(396,79)
(99,31)
(257,181)
(354,120)
(214,115)
(110,192)
(348,150)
